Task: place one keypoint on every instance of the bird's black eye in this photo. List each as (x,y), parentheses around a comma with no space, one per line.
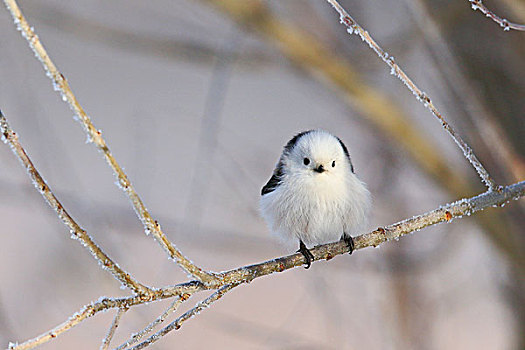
(306,161)
(333,164)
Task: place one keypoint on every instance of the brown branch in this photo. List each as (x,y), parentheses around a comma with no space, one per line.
(353,27)
(171,309)
(445,213)
(11,138)
(95,136)
(506,25)
(186,316)
(113,328)
(314,57)
(227,280)
(491,133)
(104,304)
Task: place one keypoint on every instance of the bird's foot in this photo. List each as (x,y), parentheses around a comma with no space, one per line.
(349,242)
(308,256)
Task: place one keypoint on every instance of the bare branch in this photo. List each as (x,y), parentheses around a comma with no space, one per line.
(313,56)
(506,25)
(113,328)
(139,335)
(95,136)
(104,304)
(445,213)
(11,138)
(186,316)
(491,132)
(223,282)
(353,27)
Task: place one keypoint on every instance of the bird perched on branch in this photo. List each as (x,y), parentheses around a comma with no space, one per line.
(314,196)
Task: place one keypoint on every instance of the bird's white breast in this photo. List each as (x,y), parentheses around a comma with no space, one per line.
(316,209)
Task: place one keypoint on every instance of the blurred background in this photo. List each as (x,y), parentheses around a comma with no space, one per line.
(196,100)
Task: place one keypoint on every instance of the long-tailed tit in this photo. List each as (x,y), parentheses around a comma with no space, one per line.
(314,195)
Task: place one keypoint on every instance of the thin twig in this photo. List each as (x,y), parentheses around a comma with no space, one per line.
(139,335)
(312,55)
(104,304)
(491,132)
(445,213)
(506,25)
(95,136)
(112,328)
(227,280)
(353,27)
(186,316)
(11,138)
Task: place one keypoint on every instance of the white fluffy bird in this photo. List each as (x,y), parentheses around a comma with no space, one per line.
(314,196)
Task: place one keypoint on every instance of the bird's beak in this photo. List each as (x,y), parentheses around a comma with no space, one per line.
(319,169)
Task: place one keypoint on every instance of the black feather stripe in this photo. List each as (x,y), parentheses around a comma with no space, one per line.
(290,145)
(274,181)
(277,175)
(345,150)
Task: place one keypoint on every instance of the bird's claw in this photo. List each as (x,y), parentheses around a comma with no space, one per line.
(349,242)
(308,256)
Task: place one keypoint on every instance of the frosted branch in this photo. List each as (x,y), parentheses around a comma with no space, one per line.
(11,138)
(445,213)
(112,328)
(61,85)
(353,27)
(223,282)
(490,130)
(104,304)
(246,274)
(139,335)
(506,25)
(186,316)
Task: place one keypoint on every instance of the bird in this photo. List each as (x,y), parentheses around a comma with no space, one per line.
(314,196)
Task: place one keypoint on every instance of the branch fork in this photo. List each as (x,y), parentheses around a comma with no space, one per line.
(223,282)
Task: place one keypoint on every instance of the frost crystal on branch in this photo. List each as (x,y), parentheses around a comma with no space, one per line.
(218,284)
(420,95)
(505,24)
(95,136)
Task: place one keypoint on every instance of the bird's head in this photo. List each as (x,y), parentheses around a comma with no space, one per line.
(317,153)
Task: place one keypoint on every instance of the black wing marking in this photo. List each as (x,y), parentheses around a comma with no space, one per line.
(277,175)
(346,154)
(275,180)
